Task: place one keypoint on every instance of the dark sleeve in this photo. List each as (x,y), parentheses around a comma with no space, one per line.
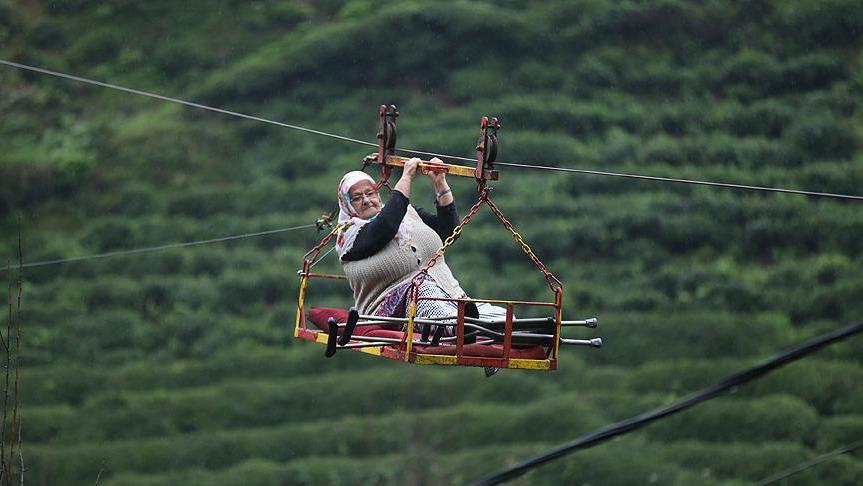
(375,235)
(443,222)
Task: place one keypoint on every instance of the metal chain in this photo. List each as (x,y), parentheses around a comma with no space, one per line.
(553,281)
(312,255)
(456,232)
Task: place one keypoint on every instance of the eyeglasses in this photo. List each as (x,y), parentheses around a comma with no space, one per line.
(359,197)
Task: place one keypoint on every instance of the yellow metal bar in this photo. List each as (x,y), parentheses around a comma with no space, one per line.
(530,364)
(301,300)
(412,312)
(373,350)
(425,167)
(516,363)
(322,337)
(557,331)
(439,359)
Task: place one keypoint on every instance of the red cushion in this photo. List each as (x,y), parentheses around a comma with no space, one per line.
(320,316)
(385,333)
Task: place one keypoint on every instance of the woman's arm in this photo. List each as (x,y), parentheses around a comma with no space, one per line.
(443,194)
(447,215)
(444,222)
(375,235)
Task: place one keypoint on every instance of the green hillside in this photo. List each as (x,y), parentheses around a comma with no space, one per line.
(179,366)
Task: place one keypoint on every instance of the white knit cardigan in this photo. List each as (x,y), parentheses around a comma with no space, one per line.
(372,278)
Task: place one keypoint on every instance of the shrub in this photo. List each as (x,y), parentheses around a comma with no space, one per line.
(98,337)
(202,203)
(822,22)
(839,431)
(239,290)
(727,461)
(134,200)
(206,261)
(96,46)
(754,69)
(815,71)
(108,234)
(756,420)
(820,136)
(113,292)
(637,337)
(829,387)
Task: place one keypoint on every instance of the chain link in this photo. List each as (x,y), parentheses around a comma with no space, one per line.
(312,255)
(553,281)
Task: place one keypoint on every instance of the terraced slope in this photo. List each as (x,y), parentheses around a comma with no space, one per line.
(178,367)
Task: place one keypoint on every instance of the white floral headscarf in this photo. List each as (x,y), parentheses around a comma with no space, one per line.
(347,214)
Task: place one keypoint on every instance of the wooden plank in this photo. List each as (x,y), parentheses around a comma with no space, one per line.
(532,364)
(425,166)
(439,359)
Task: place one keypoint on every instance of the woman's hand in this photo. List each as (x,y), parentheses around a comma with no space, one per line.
(410,168)
(443,194)
(438,178)
(409,172)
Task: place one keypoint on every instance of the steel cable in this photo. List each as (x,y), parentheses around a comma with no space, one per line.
(157,248)
(639,421)
(647,177)
(419,152)
(810,463)
(684,181)
(182,102)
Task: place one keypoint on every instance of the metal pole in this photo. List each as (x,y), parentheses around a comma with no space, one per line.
(595,342)
(592,322)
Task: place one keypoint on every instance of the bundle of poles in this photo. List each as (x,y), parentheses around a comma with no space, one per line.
(529,331)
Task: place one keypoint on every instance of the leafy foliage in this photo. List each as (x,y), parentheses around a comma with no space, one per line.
(179,366)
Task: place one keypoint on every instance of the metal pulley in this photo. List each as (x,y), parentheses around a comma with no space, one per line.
(386,158)
(486,148)
(386,138)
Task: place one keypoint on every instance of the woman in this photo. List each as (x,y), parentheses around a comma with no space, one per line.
(385,246)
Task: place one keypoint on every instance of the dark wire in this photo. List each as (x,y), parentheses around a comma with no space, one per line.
(419,152)
(648,177)
(691,400)
(182,102)
(684,181)
(810,463)
(157,248)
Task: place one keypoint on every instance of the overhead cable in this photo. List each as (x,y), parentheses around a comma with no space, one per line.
(157,248)
(419,152)
(684,181)
(647,177)
(182,102)
(810,463)
(639,421)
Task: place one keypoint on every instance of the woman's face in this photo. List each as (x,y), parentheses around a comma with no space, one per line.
(365,199)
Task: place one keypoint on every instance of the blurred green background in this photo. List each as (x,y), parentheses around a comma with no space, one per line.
(179,367)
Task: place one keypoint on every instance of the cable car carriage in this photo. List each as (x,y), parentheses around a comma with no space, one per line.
(526,343)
